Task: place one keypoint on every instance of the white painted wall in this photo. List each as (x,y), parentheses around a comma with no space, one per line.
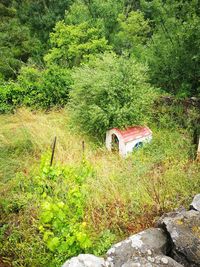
(130,145)
(198,151)
(122,147)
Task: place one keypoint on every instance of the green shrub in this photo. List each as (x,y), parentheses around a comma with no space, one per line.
(110,92)
(10,96)
(36,88)
(63,210)
(44,88)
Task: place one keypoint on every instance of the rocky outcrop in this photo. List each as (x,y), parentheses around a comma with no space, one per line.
(184,234)
(157,261)
(140,248)
(174,243)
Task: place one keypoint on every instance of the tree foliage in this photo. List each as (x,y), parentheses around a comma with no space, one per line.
(16,43)
(107,12)
(163,34)
(174,49)
(133,31)
(41,15)
(72,44)
(78,13)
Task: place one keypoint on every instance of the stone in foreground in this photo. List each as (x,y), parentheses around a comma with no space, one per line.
(85,260)
(146,248)
(155,261)
(184,230)
(176,243)
(195,205)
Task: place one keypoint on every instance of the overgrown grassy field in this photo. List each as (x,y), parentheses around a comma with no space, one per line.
(108,197)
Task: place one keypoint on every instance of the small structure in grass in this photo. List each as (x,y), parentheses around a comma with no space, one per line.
(125,141)
(198,151)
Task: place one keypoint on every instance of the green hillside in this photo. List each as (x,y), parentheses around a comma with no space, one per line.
(72,69)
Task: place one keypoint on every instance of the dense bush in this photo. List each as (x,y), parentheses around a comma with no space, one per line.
(36,88)
(110,92)
(10,96)
(45,88)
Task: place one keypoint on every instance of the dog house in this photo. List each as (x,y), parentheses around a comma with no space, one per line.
(125,141)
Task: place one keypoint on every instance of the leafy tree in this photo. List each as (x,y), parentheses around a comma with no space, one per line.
(110,92)
(174,49)
(106,13)
(133,31)
(41,15)
(100,13)
(78,13)
(16,43)
(72,44)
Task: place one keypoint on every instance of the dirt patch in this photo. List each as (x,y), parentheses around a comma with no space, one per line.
(2,264)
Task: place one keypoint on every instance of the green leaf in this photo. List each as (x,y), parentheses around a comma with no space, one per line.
(53,243)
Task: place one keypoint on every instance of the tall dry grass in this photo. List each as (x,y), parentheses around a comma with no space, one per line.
(124,195)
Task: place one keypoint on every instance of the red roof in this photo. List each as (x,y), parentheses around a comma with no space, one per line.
(133,133)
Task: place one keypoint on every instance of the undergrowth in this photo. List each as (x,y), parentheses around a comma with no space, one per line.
(86,201)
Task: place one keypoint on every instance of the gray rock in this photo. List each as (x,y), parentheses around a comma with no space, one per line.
(195,205)
(140,248)
(176,243)
(85,260)
(157,261)
(184,230)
